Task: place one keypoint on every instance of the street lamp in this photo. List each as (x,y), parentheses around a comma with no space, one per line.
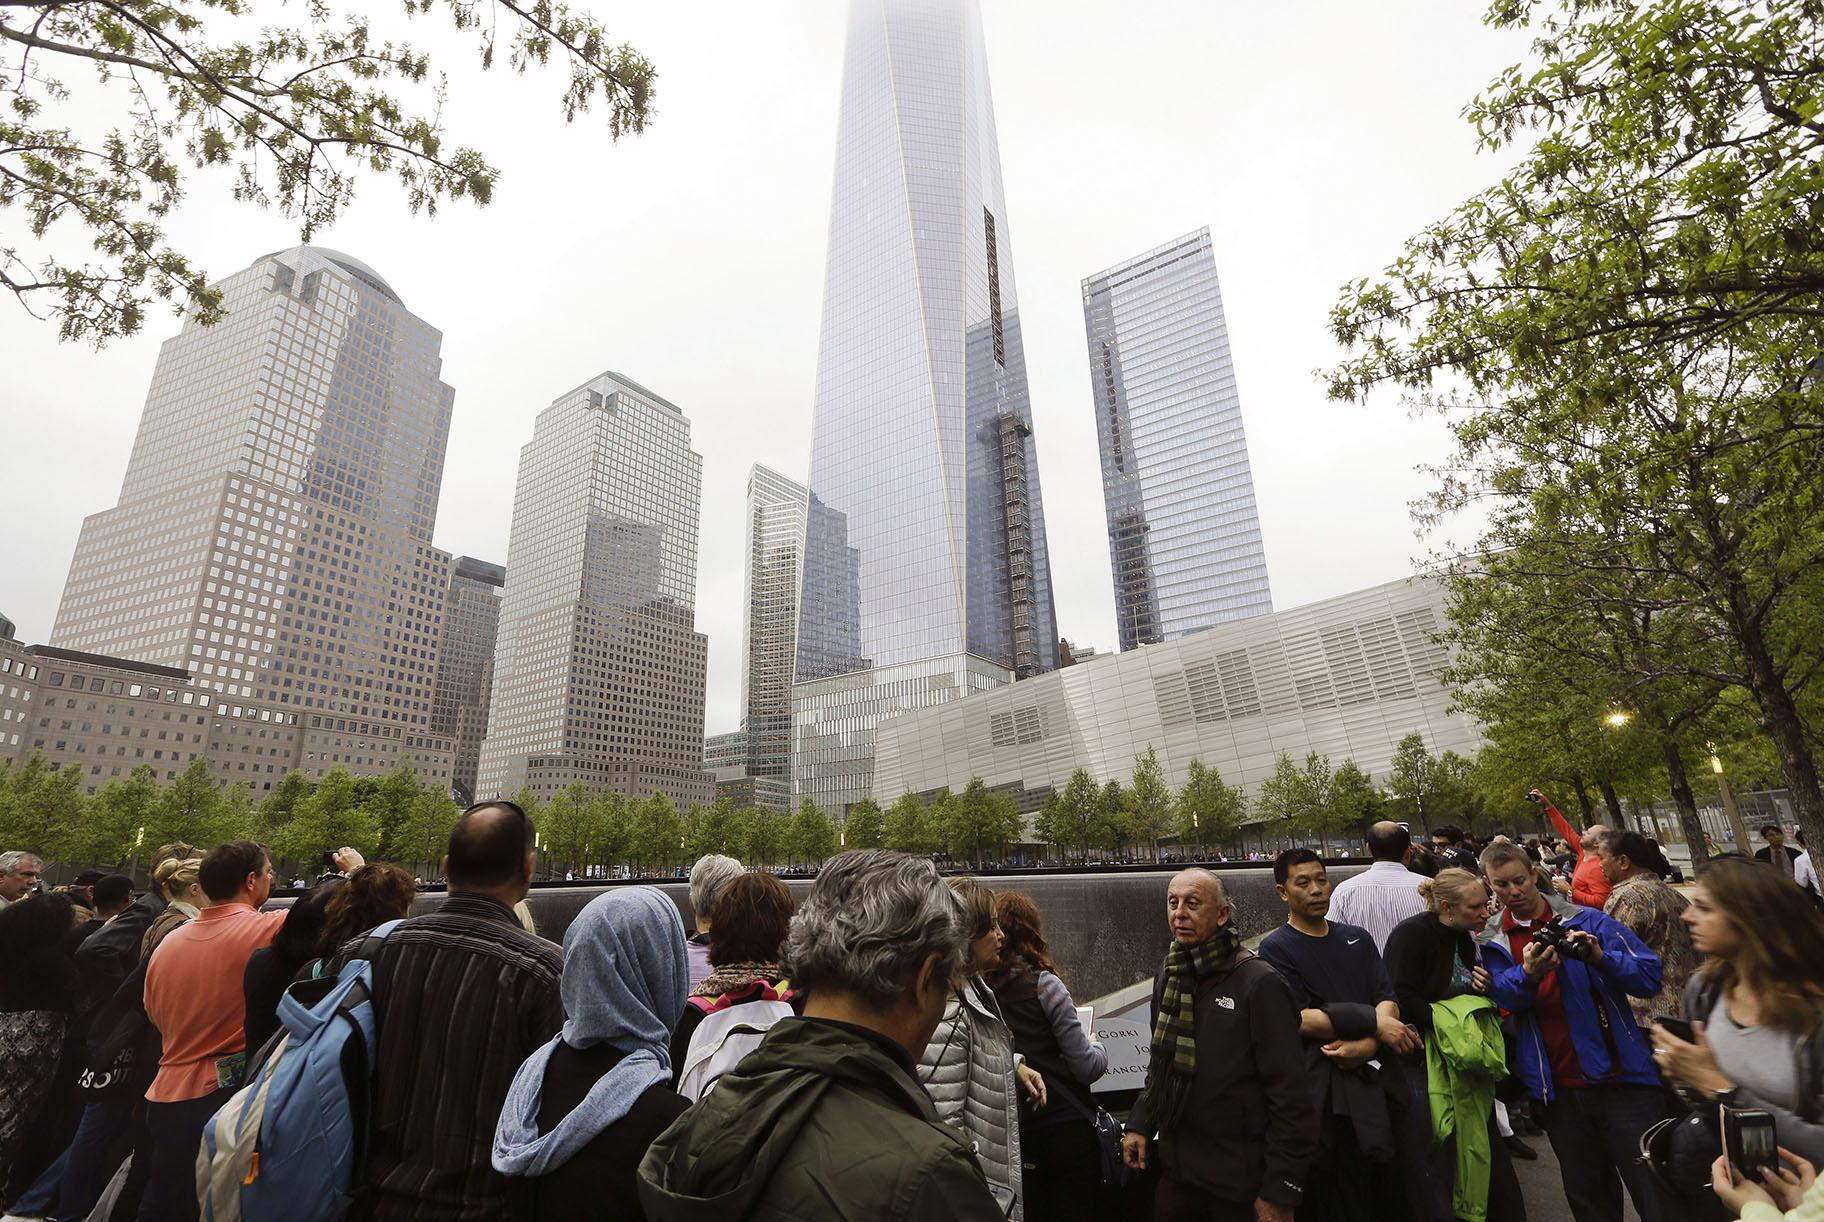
(1619,718)
(1730,808)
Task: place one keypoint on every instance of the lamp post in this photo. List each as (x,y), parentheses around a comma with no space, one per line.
(1729,805)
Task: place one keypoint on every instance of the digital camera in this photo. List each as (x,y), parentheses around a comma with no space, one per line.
(1558,938)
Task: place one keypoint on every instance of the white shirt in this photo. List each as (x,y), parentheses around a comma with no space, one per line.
(1377,899)
(1805,873)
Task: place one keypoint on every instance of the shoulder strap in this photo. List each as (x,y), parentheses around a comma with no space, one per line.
(370,945)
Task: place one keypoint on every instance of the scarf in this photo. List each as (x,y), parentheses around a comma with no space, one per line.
(734,977)
(1173,1067)
(624,984)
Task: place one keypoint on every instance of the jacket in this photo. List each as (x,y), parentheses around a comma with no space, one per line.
(967,1069)
(109,956)
(1049,1036)
(823,1120)
(1465,1057)
(1420,955)
(1610,1045)
(1250,1128)
(1811,1209)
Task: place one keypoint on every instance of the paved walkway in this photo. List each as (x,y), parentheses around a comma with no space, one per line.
(1543,1190)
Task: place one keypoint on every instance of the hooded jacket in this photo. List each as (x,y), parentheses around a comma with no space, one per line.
(823,1121)
(1465,1057)
(1610,1046)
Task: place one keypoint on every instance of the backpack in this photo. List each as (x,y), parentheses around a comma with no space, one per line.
(292,1143)
(722,1039)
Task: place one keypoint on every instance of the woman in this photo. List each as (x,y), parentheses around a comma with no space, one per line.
(36,998)
(178,880)
(1756,1007)
(583,1109)
(272,967)
(1061,1148)
(753,915)
(1431,956)
(376,892)
(970,1068)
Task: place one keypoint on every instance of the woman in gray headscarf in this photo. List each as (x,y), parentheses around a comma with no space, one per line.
(584,1108)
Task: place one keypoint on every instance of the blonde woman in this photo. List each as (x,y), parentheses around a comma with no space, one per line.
(179,881)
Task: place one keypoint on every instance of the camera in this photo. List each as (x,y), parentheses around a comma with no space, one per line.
(1749,1138)
(1534,796)
(1556,937)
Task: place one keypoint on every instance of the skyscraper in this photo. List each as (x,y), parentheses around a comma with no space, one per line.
(599,670)
(926,574)
(1183,530)
(465,665)
(273,536)
(769,631)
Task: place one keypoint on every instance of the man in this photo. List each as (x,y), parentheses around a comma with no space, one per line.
(708,877)
(1384,894)
(109,896)
(1369,1156)
(464,995)
(1447,847)
(1640,899)
(1580,1051)
(1805,870)
(194,998)
(826,1118)
(1778,854)
(19,873)
(1227,1107)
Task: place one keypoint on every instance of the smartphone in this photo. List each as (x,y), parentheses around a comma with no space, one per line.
(1750,1141)
(329,859)
(1678,1027)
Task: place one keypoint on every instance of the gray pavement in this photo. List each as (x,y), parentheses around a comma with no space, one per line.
(1543,1190)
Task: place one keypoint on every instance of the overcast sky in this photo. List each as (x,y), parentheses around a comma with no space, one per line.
(1311,137)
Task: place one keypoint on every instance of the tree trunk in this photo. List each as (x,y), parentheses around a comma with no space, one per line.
(1683,798)
(1617,819)
(1583,800)
(1781,718)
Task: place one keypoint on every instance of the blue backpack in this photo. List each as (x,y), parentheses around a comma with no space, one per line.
(292,1143)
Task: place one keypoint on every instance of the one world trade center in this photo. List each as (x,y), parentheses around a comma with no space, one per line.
(925,569)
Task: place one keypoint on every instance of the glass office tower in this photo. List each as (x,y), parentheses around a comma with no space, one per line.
(273,535)
(769,638)
(925,565)
(1183,531)
(465,665)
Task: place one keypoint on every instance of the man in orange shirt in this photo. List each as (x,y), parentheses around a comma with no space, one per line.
(194,997)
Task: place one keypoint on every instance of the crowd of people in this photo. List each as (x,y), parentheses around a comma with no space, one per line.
(900,1045)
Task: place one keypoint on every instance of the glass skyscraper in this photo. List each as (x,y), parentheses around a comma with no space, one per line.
(273,535)
(1183,531)
(769,637)
(599,669)
(465,665)
(926,574)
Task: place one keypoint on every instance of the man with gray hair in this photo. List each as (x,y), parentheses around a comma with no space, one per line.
(708,877)
(826,1118)
(19,873)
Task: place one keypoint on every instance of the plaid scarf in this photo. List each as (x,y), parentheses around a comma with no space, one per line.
(1174,1056)
(734,977)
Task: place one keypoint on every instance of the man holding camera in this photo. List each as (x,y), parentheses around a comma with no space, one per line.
(1566,973)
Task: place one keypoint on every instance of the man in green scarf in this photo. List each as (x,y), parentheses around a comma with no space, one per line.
(1228,1108)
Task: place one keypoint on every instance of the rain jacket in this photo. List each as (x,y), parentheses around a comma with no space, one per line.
(1464,1058)
(822,1121)
(1610,1046)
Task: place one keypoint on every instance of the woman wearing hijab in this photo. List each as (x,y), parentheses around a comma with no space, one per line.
(584,1108)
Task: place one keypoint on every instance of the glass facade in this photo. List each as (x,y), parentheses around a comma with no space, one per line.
(925,534)
(776,508)
(1183,530)
(274,525)
(598,669)
(465,665)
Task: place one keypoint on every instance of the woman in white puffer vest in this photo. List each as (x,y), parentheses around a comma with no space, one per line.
(969,1068)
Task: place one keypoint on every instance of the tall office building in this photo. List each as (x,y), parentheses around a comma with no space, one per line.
(465,666)
(599,670)
(273,536)
(926,574)
(1183,530)
(769,632)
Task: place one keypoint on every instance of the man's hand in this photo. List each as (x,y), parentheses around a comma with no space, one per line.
(1561,884)
(1396,1035)
(1267,1211)
(1590,942)
(1478,978)
(348,860)
(1350,1053)
(1133,1150)
(1032,1083)
(1539,960)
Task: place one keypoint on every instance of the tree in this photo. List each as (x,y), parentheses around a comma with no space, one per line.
(192,809)
(1298,798)
(1147,804)
(909,825)
(1627,330)
(766,837)
(424,835)
(812,836)
(390,800)
(610,830)
(116,814)
(276,811)
(565,829)
(716,828)
(977,819)
(1079,812)
(866,827)
(1109,829)
(39,807)
(327,820)
(658,831)
(295,114)
(1051,825)
(1354,802)
(1209,808)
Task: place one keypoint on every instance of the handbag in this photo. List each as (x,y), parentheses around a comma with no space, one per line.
(1108,1139)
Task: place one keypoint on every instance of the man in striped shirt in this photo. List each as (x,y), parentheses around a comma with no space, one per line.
(1384,894)
(464,994)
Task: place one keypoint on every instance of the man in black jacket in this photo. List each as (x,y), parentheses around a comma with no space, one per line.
(1778,854)
(1227,1107)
